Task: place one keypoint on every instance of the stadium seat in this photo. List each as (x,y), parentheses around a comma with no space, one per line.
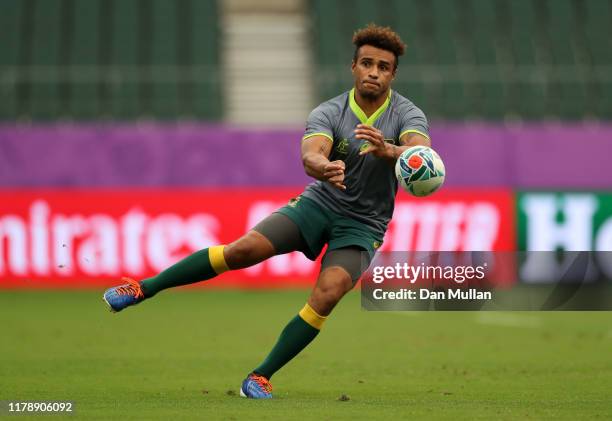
(452,99)
(327,19)
(599,36)
(48,48)
(484,32)
(126,53)
(11,20)
(165,59)
(204,51)
(83,91)
(414,26)
(567,93)
(528,91)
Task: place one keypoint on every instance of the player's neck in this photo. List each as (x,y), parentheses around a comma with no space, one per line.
(370,105)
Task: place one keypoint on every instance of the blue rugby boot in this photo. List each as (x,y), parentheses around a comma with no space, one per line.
(124,295)
(256,387)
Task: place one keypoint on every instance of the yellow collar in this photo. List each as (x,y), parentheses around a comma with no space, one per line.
(359,112)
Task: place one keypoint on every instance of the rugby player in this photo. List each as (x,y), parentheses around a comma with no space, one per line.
(349,147)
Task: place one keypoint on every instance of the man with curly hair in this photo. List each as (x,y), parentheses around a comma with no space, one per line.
(349,147)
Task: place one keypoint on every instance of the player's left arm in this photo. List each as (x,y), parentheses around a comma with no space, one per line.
(411,139)
(381,149)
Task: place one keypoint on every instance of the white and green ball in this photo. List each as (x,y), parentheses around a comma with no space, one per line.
(420,170)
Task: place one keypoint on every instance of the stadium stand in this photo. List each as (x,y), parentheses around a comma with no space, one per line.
(119,59)
(483,59)
(158,59)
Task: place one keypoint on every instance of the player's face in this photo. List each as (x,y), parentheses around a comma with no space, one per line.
(373,71)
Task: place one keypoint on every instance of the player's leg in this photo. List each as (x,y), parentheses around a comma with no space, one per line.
(205,264)
(336,266)
(340,270)
(276,234)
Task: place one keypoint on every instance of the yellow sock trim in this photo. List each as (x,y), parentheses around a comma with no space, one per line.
(217,261)
(312,317)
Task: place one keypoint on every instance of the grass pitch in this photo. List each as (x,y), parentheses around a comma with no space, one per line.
(183,355)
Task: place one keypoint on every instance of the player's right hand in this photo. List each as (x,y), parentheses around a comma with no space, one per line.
(334,173)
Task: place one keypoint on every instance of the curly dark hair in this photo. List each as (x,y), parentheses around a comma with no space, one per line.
(381,37)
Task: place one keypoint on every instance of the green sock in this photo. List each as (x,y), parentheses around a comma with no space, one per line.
(199,266)
(300,331)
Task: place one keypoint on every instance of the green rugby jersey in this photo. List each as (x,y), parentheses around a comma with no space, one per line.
(370,182)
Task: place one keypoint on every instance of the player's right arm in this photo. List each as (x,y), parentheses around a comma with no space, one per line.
(315,157)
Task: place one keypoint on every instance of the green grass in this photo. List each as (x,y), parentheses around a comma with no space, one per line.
(178,356)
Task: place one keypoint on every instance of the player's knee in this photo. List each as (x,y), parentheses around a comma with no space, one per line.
(248,250)
(332,292)
(239,254)
(323,300)
(330,289)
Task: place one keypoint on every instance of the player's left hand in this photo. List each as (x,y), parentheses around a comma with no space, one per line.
(378,147)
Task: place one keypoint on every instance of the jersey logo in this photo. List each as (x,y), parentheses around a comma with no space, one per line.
(342,146)
(293,202)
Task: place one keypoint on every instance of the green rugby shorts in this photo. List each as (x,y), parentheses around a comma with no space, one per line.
(320,226)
